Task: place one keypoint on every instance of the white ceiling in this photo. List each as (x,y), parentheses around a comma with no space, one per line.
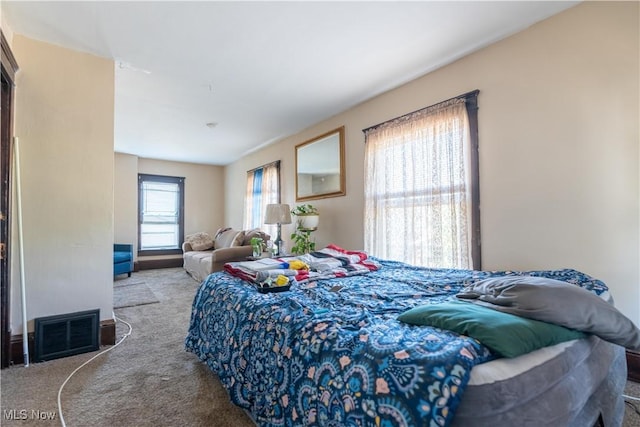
(261,70)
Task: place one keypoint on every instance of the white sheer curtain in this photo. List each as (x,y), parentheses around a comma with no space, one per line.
(263,188)
(418,188)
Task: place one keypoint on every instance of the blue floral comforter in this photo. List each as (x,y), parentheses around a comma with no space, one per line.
(331,352)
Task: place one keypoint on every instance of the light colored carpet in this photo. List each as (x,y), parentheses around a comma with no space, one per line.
(133,294)
(632,407)
(147,381)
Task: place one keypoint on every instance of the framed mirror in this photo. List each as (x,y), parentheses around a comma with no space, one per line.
(320,166)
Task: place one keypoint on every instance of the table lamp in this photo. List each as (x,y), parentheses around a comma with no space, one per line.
(278,214)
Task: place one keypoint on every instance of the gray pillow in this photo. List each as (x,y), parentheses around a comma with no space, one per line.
(248,234)
(229,238)
(555,302)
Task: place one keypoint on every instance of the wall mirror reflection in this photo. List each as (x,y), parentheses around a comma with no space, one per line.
(320,166)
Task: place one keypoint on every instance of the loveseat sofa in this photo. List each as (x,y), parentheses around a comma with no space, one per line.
(203,254)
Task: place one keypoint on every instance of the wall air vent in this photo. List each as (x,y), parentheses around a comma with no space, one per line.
(66,334)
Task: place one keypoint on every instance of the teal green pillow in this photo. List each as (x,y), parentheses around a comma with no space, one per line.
(505,334)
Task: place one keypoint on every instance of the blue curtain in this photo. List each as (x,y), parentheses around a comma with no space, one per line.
(263,188)
(257,197)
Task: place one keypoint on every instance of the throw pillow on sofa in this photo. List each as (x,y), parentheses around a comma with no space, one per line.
(200,241)
(228,237)
(256,232)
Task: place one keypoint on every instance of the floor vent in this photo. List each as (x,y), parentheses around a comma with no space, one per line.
(66,334)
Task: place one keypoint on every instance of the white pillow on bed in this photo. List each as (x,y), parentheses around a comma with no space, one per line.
(556,302)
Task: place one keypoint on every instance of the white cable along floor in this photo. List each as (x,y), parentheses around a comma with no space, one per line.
(89,361)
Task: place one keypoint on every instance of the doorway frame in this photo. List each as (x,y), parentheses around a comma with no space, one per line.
(9,69)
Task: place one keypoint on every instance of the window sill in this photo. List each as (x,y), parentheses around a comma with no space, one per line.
(151,252)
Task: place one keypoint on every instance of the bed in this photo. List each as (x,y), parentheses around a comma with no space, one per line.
(331,351)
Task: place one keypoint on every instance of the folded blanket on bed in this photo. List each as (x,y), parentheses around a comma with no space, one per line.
(265,270)
(330,262)
(334,261)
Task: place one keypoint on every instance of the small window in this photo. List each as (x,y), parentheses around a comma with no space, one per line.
(263,188)
(160,214)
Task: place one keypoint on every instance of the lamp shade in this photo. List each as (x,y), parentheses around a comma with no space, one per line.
(278,214)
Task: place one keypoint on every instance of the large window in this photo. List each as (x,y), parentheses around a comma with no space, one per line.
(421,186)
(263,188)
(160,213)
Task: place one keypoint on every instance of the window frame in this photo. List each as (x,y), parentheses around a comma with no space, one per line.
(471,102)
(161,179)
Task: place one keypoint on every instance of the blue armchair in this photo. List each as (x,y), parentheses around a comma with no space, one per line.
(122,259)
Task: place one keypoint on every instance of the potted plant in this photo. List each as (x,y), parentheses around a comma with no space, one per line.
(308,217)
(302,243)
(258,246)
(307,222)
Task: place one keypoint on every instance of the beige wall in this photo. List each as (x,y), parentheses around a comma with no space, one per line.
(204,195)
(559,148)
(125,200)
(6,29)
(64,121)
